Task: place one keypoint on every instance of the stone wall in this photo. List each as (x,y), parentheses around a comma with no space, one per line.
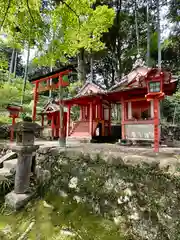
(3,150)
(140,191)
(170,130)
(4,131)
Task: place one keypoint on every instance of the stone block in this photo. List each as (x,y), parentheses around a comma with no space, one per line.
(4,173)
(10,164)
(42,175)
(8,156)
(17,201)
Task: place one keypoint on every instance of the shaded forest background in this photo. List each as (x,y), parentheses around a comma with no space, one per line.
(106,49)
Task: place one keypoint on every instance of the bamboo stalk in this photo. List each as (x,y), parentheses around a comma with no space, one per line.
(22,237)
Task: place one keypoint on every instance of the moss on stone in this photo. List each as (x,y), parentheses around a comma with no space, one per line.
(57,218)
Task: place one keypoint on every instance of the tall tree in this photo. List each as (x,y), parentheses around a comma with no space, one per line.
(78,28)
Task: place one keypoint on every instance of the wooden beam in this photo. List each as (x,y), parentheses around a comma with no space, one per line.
(51,77)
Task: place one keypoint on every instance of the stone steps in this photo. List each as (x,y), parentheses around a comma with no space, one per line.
(72,141)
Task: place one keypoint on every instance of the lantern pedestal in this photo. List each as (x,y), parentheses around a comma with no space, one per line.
(25,148)
(17,201)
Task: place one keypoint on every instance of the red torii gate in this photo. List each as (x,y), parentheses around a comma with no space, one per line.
(45,79)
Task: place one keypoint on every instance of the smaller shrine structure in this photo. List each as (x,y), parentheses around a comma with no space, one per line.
(50,120)
(95,113)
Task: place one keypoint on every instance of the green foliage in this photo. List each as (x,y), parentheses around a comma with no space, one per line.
(171,53)
(5,185)
(12,92)
(76,25)
(74,87)
(171,109)
(53,218)
(3,62)
(22,21)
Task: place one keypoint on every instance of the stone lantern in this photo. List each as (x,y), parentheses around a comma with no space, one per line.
(14,111)
(25,136)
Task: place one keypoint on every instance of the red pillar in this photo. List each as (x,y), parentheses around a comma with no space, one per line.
(91,119)
(12,131)
(68,120)
(156,125)
(42,120)
(81,113)
(99,111)
(52,125)
(35,101)
(109,130)
(123,118)
(58,125)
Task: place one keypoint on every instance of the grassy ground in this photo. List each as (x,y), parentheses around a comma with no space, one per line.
(56,218)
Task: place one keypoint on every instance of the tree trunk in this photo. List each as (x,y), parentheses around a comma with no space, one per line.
(91,67)
(137,30)
(25,75)
(15,63)
(148,35)
(81,66)
(11,65)
(159,34)
(51,67)
(119,67)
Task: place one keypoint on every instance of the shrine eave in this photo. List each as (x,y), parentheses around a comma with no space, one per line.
(140,74)
(111,96)
(83,98)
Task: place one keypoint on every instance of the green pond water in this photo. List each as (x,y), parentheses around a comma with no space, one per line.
(55,217)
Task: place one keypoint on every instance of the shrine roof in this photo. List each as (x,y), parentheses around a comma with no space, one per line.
(107,95)
(90,88)
(38,77)
(139,75)
(50,107)
(83,98)
(88,91)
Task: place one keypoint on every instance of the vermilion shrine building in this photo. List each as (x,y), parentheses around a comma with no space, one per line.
(139,94)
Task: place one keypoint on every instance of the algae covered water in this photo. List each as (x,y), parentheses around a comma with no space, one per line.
(55,217)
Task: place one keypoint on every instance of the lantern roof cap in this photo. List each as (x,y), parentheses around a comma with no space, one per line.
(14,105)
(25,126)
